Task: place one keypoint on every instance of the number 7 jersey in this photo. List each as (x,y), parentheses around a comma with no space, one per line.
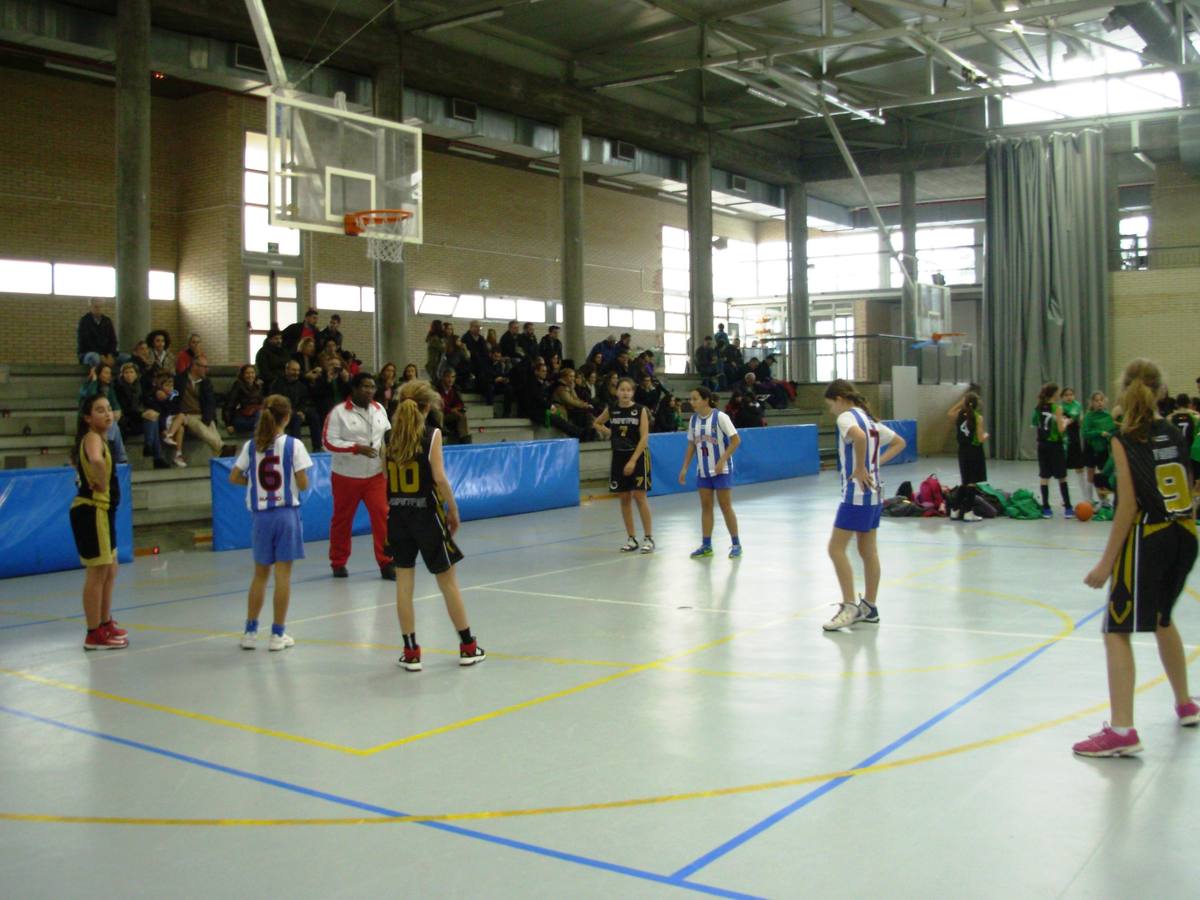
(272,473)
(1160,471)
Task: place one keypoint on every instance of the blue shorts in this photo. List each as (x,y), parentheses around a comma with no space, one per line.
(277,535)
(858,518)
(715,482)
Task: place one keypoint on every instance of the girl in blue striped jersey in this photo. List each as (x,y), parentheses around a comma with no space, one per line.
(713,440)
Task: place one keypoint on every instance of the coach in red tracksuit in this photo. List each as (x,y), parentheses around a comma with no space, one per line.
(354,433)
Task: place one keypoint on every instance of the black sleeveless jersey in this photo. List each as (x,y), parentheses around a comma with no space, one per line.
(1161,474)
(625,424)
(410,484)
(1186,423)
(1046,421)
(967,428)
(107,499)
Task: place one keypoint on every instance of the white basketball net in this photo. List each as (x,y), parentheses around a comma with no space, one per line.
(383,239)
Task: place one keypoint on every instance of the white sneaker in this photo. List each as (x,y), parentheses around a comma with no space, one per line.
(280,642)
(249,640)
(648,545)
(847,615)
(180,461)
(630,546)
(971,517)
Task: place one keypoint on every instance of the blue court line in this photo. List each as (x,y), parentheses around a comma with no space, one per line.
(818,792)
(384,811)
(307,580)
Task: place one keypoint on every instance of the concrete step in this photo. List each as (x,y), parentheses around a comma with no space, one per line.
(35,442)
(501,435)
(65,405)
(37,422)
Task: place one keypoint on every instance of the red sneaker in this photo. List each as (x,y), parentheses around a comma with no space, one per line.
(103,639)
(1107,742)
(469,654)
(411,660)
(111,625)
(1189,713)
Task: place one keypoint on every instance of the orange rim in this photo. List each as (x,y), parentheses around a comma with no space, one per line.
(356,223)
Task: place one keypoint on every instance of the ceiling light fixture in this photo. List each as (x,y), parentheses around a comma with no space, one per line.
(467,151)
(617,184)
(471,19)
(642,79)
(762,126)
(763,95)
(86,73)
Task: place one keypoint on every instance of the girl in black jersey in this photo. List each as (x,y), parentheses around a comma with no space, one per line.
(1151,549)
(1051,427)
(94,522)
(418,523)
(629,478)
(1185,420)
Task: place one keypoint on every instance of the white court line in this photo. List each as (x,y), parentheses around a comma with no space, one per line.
(704,609)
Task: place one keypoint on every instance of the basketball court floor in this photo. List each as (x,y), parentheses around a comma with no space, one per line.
(644,725)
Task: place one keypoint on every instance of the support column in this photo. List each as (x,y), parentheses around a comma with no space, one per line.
(133,172)
(800,353)
(392,309)
(1112,226)
(700,235)
(570,181)
(908,221)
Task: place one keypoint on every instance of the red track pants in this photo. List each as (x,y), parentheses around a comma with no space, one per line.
(347,494)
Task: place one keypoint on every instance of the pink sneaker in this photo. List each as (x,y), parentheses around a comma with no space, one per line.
(1189,713)
(1107,742)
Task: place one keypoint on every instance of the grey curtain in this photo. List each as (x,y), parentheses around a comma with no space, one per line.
(1045,296)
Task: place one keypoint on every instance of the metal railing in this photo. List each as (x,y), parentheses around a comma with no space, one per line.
(866,358)
(1138,256)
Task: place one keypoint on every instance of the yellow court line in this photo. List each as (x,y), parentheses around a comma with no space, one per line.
(661,799)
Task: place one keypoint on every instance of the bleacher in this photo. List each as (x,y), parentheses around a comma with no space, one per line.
(39,403)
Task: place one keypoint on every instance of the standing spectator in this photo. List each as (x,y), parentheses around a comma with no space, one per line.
(410,373)
(188,354)
(100,382)
(527,341)
(492,340)
(550,345)
(477,349)
(272,358)
(620,365)
(707,367)
(456,360)
(508,343)
(733,362)
(95,337)
(454,411)
(354,433)
(607,350)
(494,379)
(198,402)
(435,346)
(720,339)
(387,390)
(161,357)
(578,412)
(295,388)
(331,387)
(136,417)
(626,344)
(298,331)
(331,334)
(244,402)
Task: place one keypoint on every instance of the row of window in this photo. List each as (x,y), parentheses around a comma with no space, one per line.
(540,312)
(21,276)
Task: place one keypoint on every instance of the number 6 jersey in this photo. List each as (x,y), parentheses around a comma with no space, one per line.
(1160,473)
(272,473)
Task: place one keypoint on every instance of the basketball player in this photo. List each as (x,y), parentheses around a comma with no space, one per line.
(1051,428)
(417,488)
(629,475)
(860,442)
(1150,551)
(713,440)
(274,468)
(1072,411)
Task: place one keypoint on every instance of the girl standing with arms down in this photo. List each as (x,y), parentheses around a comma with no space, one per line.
(1073,413)
(629,478)
(860,454)
(971,434)
(713,440)
(274,468)
(1051,428)
(1151,549)
(1098,429)
(417,523)
(94,522)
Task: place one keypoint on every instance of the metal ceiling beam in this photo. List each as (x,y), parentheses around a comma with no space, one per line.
(643,36)
(1030,68)
(749,7)
(936,12)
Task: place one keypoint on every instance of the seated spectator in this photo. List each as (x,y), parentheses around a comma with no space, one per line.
(707,366)
(491,339)
(745,406)
(454,411)
(244,402)
(527,341)
(100,381)
(765,377)
(477,349)
(509,345)
(161,357)
(732,360)
(606,393)
(553,367)
(586,387)
(310,364)
(137,417)
(330,334)
(298,331)
(387,390)
(331,352)
(410,373)
(455,359)
(198,402)
(535,403)
(550,345)
(96,337)
(435,346)
(606,350)
(163,399)
(620,364)
(141,360)
(494,380)
(642,365)
(272,358)
(567,403)
(331,387)
(776,395)
(188,354)
(296,389)
(657,399)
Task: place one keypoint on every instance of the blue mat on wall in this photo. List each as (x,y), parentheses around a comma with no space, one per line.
(907,429)
(489,480)
(766,454)
(35,531)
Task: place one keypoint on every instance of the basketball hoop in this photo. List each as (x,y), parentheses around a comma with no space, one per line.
(951,342)
(384,230)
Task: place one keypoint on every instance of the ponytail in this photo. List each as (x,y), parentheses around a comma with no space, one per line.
(408,422)
(971,402)
(275,411)
(1048,390)
(1141,384)
(841,389)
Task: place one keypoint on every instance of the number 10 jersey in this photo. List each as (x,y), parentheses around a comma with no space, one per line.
(272,472)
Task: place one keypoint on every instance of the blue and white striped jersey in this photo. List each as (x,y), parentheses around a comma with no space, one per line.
(272,473)
(711,435)
(878,437)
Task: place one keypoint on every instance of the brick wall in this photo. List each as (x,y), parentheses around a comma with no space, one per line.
(1175,217)
(1154,315)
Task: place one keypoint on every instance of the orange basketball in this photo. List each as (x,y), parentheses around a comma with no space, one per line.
(1083,511)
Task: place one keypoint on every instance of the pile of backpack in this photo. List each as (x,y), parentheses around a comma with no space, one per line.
(930,499)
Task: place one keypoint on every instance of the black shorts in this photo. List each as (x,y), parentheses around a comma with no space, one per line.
(619,482)
(1052,461)
(1075,459)
(1095,459)
(421,531)
(1149,575)
(95,532)
(972,463)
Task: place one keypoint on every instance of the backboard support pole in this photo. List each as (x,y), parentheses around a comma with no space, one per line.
(267,45)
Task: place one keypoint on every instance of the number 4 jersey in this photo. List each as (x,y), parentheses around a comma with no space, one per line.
(272,472)
(1160,473)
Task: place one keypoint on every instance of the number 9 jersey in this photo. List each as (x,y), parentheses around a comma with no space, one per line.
(272,473)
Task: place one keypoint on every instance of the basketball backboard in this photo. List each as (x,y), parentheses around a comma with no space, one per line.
(325,162)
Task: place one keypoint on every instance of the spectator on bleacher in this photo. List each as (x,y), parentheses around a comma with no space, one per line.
(272,357)
(643,365)
(198,401)
(578,412)
(707,367)
(310,363)
(720,339)
(295,388)
(766,378)
(585,385)
(163,399)
(161,357)
(96,337)
(331,388)
(607,350)
(535,403)
(137,417)
(550,345)
(435,346)
(387,389)
(509,345)
(244,402)
(454,411)
(745,407)
(140,357)
(492,340)
(354,434)
(733,363)
(329,354)
(331,334)
(658,400)
(776,395)
(100,382)
(477,349)
(553,367)
(410,373)
(626,344)
(456,360)
(188,354)
(620,364)
(298,331)
(606,394)
(494,380)
(528,342)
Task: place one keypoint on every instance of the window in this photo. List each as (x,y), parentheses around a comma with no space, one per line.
(18,276)
(431,304)
(500,309)
(73,280)
(644,320)
(21,277)
(846,262)
(948,251)
(470,306)
(1135,241)
(342,297)
(258,235)
(531,310)
(835,357)
(620,318)
(272,301)
(676,304)
(595,316)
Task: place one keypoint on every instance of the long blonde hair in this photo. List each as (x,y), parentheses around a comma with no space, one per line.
(408,422)
(275,411)
(1140,385)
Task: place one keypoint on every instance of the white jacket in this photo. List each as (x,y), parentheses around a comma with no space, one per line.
(348,425)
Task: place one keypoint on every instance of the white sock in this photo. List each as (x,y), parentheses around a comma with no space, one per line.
(1085,486)
(1123,732)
